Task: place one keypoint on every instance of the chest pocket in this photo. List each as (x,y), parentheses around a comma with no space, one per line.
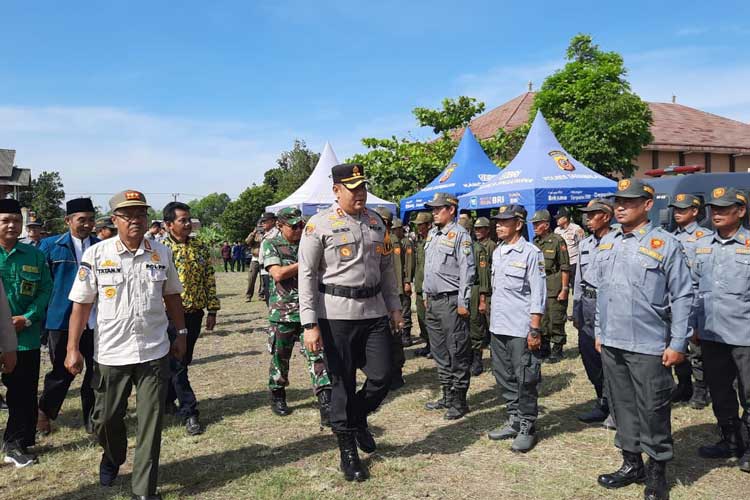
(515,278)
(448,258)
(28,284)
(652,279)
(346,246)
(603,263)
(155,285)
(739,281)
(111,295)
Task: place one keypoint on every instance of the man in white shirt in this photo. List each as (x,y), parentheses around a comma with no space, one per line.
(573,234)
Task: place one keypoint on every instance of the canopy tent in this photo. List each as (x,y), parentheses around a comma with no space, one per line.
(541,175)
(315,193)
(468,169)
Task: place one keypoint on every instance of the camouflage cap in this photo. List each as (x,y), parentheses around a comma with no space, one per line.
(386,214)
(128,198)
(727,196)
(634,188)
(511,212)
(442,200)
(683,200)
(541,216)
(599,205)
(290,216)
(423,218)
(397,223)
(482,222)
(103,222)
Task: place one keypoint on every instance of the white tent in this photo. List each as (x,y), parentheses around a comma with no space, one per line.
(316,193)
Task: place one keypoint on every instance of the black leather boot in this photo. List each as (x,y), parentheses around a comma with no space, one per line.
(683,392)
(631,471)
(458,407)
(476,363)
(556,354)
(365,440)
(700,398)
(730,445)
(441,403)
(324,405)
(278,402)
(598,413)
(656,481)
(406,339)
(350,464)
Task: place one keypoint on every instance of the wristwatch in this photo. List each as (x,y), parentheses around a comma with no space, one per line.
(535,332)
(27,322)
(182,332)
(308,326)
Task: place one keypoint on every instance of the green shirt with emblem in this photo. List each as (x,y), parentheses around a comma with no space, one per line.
(283,300)
(483,254)
(556,261)
(28,284)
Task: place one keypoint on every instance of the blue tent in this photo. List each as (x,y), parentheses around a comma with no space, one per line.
(468,169)
(542,174)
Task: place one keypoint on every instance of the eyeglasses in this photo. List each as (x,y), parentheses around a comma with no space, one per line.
(298,226)
(131,218)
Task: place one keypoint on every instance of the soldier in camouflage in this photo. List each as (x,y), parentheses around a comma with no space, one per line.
(481,293)
(423,222)
(280,259)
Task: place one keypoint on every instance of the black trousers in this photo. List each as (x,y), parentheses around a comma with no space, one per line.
(57,381)
(179,388)
(592,362)
(450,341)
(349,345)
(265,290)
(723,364)
(21,397)
(639,393)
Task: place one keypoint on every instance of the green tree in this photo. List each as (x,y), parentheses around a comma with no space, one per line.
(293,168)
(454,115)
(592,110)
(240,216)
(47,196)
(209,208)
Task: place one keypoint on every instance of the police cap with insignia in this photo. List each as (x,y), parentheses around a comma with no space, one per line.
(541,216)
(351,175)
(684,200)
(482,222)
(290,216)
(77,205)
(634,188)
(385,214)
(599,205)
(423,218)
(9,206)
(127,198)
(33,221)
(511,212)
(267,216)
(442,200)
(726,197)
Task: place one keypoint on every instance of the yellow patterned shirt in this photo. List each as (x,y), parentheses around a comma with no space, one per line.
(193,262)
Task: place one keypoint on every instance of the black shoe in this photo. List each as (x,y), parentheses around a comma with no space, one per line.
(397,382)
(682,393)
(350,464)
(422,352)
(631,471)
(155,496)
(19,456)
(429,355)
(193,426)
(89,426)
(556,354)
(745,462)
(324,405)
(365,440)
(476,363)
(730,445)
(700,398)
(457,407)
(441,403)
(406,340)
(598,413)
(656,481)
(278,403)
(107,471)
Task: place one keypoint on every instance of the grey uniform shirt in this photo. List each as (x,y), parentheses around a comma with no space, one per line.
(639,277)
(689,236)
(722,269)
(349,251)
(449,262)
(587,249)
(519,288)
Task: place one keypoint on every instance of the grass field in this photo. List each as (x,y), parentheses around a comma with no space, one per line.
(247,452)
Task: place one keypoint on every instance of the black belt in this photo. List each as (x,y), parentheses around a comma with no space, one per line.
(443,295)
(349,292)
(589,293)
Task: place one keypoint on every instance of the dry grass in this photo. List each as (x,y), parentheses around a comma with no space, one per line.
(247,452)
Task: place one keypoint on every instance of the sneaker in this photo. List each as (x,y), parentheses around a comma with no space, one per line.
(19,457)
(508,431)
(526,438)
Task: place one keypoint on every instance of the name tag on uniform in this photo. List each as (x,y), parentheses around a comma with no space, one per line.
(606,246)
(519,265)
(30,269)
(745,251)
(549,251)
(651,253)
(704,250)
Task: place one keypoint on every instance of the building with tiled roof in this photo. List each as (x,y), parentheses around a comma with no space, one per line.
(12,178)
(682,135)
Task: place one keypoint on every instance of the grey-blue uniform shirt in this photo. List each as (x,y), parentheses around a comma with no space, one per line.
(519,288)
(449,262)
(723,272)
(689,236)
(587,250)
(640,276)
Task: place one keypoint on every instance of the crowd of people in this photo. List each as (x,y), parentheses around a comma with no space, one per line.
(128,310)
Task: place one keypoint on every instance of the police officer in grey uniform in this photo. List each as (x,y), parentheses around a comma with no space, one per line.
(449,273)
(641,272)
(722,268)
(347,292)
(686,209)
(599,213)
(519,291)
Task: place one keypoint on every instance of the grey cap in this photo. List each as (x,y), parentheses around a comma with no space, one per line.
(384,213)
(634,188)
(684,200)
(511,212)
(482,222)
(442,200)
(397,223)
(599,205)
(541,216)
(423,218)
(727,196)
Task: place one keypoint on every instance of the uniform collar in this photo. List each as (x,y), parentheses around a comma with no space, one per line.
(638,234)
(145,246)
(517,246)
(447,228)
(17,248)
(741,236)
(689,229)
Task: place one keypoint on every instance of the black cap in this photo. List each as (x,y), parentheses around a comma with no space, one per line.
(79,205)
(511,212)
(33,220)
(267,216)
(350,175)
(563,212)
(634,188)
(9,206)
(725,197)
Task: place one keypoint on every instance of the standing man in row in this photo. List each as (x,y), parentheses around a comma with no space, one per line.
(192,259)
(406,253)
(253,242)
(347,293)
(557,269)
(28,285)
(105,228)
(573,234)
(722,267)
(641,274)
(423,222)
(268,222)
(448,275)
(481,292)
(134,285)
(63,255)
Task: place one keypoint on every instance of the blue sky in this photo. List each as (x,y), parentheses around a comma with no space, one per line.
(195,97)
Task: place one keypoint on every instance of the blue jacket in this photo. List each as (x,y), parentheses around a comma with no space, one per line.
(61,258)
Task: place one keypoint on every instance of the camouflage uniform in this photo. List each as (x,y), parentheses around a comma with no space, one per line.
(479,324)
(285,328)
